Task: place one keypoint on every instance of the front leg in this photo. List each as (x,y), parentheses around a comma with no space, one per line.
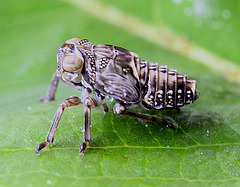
(121,109)
(52,88)
(69,102)
(88,104)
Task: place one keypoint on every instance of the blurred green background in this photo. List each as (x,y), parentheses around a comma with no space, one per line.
(204,151)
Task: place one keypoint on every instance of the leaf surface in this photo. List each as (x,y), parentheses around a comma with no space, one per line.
(203,151)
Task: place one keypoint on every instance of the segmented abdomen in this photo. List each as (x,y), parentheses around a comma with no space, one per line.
(165,88)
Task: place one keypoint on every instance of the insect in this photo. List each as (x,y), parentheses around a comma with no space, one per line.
(106,70)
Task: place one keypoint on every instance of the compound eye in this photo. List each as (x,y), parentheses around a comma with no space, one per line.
(72,63)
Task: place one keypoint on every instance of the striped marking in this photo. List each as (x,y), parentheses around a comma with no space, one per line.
(181,90)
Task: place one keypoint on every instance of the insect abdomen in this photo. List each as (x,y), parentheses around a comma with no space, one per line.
(165,88)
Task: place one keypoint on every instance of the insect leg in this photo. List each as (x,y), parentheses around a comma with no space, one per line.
(121,109)
(69,102)
(52,88)
(89,102)
(105,107)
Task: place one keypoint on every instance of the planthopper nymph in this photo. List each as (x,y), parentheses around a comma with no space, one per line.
(101,71)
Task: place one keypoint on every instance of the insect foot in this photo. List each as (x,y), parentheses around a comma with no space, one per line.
(41,146)
(83,147)
(45,99)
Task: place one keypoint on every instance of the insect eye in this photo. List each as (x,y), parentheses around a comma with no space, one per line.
(71,63)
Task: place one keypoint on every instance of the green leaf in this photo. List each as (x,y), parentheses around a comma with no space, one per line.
(203,151)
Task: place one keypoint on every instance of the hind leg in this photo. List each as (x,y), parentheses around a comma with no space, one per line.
(121,109)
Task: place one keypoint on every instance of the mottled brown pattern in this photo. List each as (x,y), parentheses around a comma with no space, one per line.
(118,76)
(107,70)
